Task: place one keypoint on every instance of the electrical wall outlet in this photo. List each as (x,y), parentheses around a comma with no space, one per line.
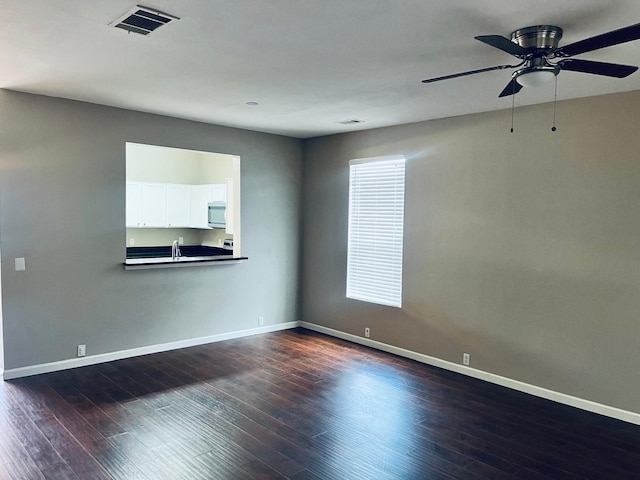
(180,240)
(132,242)
(260,321)
(466,358)
(82,350)
(367,332)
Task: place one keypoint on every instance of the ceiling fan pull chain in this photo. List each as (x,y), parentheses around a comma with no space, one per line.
(513,106)
(555,101)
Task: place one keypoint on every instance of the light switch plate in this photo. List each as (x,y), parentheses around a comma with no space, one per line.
(20,265)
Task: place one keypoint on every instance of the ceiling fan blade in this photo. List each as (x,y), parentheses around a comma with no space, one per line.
(597,68)
(608,39)
(503,44)
(470,72)
(512,88)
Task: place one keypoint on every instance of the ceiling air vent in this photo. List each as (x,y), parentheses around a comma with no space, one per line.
(142,20)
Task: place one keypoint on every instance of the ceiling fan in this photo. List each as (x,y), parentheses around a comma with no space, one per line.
(537,49)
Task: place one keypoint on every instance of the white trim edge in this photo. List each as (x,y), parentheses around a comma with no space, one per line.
(541,392)
(12,373)
(588,405)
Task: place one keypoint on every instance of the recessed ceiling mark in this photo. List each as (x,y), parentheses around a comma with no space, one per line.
(142,20)
(351,121)
(252,104)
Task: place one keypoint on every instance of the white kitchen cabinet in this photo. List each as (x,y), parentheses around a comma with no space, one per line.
(178,206)
(153,205)
(229,212)
(201,196)
(171,205)
(134,204)
(219,192)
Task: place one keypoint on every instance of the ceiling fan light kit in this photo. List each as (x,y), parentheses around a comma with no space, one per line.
(534,78)
(542,59)
(536,73)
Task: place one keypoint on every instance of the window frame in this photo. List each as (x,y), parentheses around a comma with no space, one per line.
(375,237)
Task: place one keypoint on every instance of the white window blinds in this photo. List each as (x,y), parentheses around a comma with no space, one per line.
(376,218)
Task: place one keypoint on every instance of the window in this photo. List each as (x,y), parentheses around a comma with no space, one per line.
(376,217)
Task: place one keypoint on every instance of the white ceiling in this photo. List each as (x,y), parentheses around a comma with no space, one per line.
(310,64)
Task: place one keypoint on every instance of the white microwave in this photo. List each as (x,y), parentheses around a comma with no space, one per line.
(217,217)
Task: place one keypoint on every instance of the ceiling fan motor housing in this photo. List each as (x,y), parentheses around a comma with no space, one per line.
(544,38)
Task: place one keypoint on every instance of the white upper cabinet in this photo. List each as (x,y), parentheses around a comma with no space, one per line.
(201,195)
(178,206)
(154,205)
(134,204)
(229,211)
(219,192)
(172,205)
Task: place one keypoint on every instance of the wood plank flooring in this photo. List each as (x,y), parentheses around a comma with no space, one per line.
(297,405)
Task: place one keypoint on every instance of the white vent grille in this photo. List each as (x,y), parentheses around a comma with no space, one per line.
(142,20)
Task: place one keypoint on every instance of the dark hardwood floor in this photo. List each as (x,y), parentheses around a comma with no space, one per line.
(298,405)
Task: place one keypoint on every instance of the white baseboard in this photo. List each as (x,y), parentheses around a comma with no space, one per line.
(541,392)
(558,397)
(135,352)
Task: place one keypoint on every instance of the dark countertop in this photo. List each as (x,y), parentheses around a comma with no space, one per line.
(185,251)
(190,255)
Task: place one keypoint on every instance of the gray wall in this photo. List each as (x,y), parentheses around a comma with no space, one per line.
(62,207)
(522,249)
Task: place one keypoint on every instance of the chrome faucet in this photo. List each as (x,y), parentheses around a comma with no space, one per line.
(175,250)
